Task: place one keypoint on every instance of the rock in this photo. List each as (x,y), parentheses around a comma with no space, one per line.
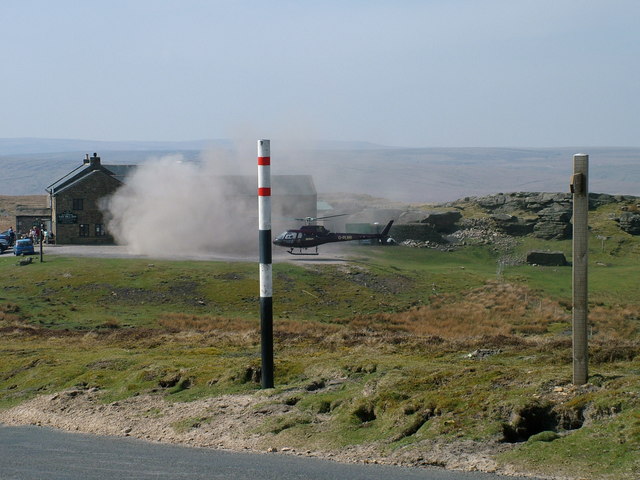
(483,352)
(554,222)
(415,231)
(504,218)
(512,225)
(550,259)
(439,221)
(544,215)
(492,202)
(410,216)
(630,222)
(597,200)
(443,222)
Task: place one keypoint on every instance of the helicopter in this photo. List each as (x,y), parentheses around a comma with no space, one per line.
(308,236)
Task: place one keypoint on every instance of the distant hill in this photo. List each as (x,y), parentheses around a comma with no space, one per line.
(419,175)
(19,146)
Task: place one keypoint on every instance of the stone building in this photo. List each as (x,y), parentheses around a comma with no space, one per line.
(28,216)
(76,217)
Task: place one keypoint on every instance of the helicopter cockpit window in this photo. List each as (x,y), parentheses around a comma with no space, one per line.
(286,236)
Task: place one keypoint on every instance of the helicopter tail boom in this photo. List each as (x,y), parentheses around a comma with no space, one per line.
(385,232)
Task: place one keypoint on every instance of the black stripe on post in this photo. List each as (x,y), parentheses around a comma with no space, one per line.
(264,237)
(266,327)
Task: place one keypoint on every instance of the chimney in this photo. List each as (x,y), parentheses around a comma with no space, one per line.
(86,159)
(95,160)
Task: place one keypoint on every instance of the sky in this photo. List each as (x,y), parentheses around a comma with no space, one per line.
(429,73)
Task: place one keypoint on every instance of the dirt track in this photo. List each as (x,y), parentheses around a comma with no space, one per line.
(121,251)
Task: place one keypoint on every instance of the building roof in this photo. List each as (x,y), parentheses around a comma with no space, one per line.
(74,174)
(90,165)
(31,211)
(120,172)
(233,184)
(74,181)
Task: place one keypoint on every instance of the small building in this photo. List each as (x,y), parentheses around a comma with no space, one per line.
(28,216)
(76,217)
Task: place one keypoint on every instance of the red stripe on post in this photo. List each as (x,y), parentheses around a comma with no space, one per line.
(264,192)
(264,160)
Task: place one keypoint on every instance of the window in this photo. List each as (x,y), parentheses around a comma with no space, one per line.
(78,204)
(84,230)
(100,231)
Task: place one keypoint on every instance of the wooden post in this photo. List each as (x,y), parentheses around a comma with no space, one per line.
(580,190)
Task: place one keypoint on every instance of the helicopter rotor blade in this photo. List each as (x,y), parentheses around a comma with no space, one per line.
(333,216)
(312,219)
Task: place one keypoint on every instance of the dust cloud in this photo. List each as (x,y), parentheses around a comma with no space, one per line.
(172,207)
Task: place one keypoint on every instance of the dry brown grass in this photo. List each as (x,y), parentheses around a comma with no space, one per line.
(9,314)
(492,310)
(496,315)
(182,322)
(493,316)
(619,322)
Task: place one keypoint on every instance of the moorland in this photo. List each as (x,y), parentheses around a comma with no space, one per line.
(400,174)
(419,356)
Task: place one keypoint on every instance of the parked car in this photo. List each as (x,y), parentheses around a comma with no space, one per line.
(3,245)
(23,246)
(5,236)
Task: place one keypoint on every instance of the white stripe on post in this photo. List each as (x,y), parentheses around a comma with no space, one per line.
(266,289)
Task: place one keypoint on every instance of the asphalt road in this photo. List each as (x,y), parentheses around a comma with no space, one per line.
(36,453)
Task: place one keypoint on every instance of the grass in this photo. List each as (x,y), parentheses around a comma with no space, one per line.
(399,347)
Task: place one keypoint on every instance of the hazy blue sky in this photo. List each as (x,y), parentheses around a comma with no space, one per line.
(408,73)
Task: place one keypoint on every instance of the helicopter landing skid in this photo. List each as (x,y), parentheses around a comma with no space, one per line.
(300,252)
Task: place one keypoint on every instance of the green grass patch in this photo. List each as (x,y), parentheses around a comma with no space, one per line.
(399,346)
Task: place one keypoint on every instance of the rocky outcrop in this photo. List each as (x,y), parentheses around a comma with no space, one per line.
(443,222)
(511,203)
(440,221)
(545,215)
(540,214)
(512,225)
(415,231)
(554,222)
(630,222)
(425,226)
(536,201)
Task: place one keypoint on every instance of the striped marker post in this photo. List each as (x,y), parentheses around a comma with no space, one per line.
(264,235)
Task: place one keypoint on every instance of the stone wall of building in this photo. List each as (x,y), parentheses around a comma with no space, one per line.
(73,225)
